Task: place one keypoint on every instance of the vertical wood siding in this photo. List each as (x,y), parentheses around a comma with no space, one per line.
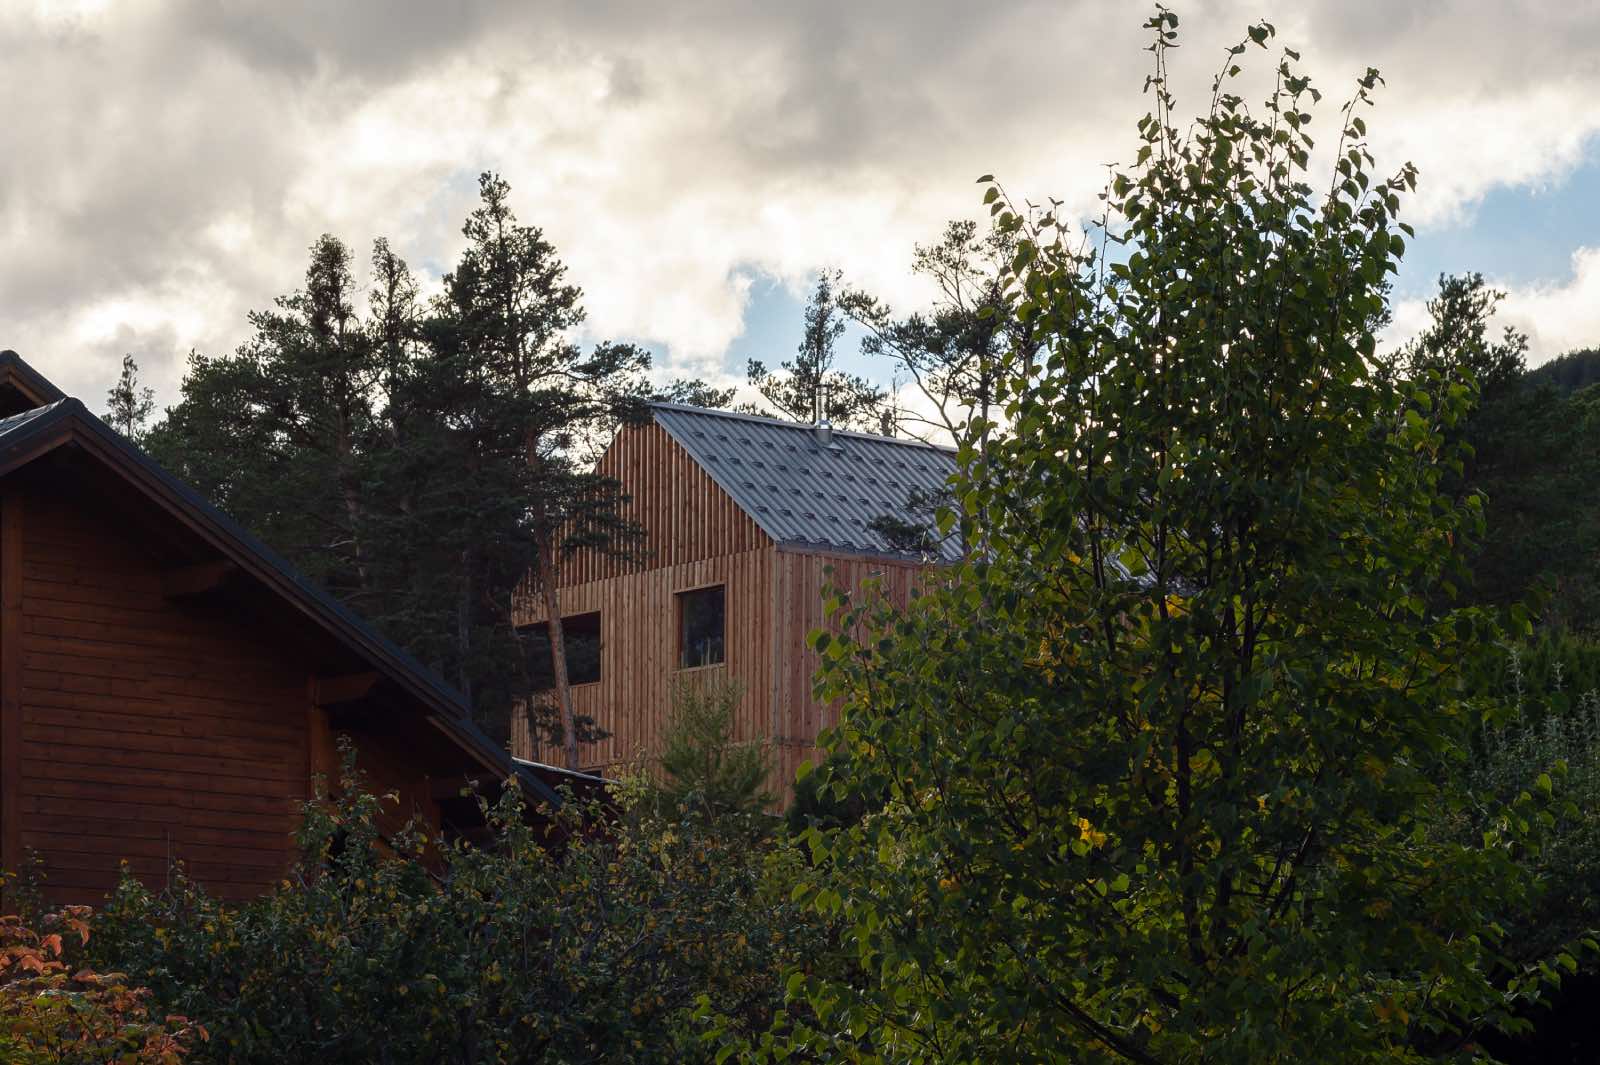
(775,599)
(799,582)
(639,655)
(686,517)
(696,536)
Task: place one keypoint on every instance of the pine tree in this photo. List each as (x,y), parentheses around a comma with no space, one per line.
(274,431)
(957,351)
(704,766)
(517,403)
(808,388)
(128,403)
(426,460)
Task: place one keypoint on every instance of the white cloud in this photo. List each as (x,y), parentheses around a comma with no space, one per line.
(1557,316)
(164,165)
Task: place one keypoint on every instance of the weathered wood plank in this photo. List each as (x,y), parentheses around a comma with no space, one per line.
(11,554)
(205,578)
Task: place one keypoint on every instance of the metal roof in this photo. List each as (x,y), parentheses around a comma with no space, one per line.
(804,494)
(13,422)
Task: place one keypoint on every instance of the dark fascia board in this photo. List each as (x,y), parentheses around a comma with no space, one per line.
(30,382)
(68,420)
(532,774)
(576,775)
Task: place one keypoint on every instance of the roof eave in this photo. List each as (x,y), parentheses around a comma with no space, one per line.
(70,420)
(33,384)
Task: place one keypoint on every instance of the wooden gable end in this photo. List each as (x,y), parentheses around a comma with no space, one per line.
(136,727)
(168,685)
(685,515)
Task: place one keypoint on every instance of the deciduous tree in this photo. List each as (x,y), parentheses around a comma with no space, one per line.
(1162,760)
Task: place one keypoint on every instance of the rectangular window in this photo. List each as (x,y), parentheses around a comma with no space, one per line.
(581,635)
(702,622)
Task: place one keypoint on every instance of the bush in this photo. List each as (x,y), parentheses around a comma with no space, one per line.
(52,1010)
(410,949)
(1543,739)
(703,767)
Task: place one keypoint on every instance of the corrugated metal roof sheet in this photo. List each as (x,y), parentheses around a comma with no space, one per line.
(17,421)
(802,493)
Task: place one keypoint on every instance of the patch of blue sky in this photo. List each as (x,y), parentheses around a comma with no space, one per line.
(774,321)
(1516,235)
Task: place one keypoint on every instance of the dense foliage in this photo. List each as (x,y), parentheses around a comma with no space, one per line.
(421,458)
(1532,452)
(1570,372)
(1537,461)
(1545,735)
(54,1010)
(1164,760)
(410,950)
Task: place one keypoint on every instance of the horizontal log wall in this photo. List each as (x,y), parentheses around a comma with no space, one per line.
(149,730)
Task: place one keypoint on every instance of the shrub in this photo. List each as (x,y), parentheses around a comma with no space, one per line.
(703,766)
(410,949)
(1544,740)
(52,1010)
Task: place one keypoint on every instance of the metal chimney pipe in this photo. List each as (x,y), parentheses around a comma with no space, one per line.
(824,433)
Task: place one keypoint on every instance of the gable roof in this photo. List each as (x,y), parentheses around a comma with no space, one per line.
(65,422)
(22,388)
(807,495)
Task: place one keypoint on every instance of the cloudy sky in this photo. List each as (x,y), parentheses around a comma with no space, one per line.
(165,163)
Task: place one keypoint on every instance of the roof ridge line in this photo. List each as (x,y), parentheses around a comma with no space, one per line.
(767,419)
(830,497)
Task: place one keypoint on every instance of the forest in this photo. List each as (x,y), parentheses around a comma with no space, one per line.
(1261,722)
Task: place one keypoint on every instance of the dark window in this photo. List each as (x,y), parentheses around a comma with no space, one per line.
(702,617)
(581,635)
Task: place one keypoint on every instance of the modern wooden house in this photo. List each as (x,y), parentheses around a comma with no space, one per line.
(746,520)
(168,685)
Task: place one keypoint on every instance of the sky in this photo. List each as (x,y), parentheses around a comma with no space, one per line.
(165,164)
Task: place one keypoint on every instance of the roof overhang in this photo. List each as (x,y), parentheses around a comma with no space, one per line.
(22,388)
(66,424)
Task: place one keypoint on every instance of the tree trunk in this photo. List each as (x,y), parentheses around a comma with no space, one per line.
(350,492)
(558,646)
(464,628)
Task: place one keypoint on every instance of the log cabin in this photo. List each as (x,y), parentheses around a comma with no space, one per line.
(746,520)
(169,686)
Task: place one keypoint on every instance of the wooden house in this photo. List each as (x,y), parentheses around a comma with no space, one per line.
(746,519)
(169,686)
